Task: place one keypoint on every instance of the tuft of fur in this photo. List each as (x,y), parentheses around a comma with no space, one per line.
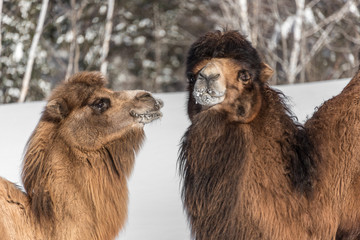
(218,44)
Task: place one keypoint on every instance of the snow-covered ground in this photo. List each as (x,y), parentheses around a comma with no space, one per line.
(155,210)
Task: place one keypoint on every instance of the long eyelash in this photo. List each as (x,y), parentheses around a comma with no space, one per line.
(190,77)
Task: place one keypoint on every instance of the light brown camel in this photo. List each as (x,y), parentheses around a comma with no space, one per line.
(77,162)
(250,171)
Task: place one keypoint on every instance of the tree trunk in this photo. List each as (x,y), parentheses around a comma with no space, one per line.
(295,53)
(255,24)
(34,43)
(70,67)
(1,3)
(107,36)
(158,63)
(244,17)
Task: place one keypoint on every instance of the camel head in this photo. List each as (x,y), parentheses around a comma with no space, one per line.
(88,115)
(225,74)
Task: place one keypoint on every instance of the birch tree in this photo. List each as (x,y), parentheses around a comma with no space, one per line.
(32,51)
(73,17)
(107,37)
(74,50)
(157,49)
(1,4)
(295,53)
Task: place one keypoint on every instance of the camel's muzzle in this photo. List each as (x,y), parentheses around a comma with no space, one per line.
(210,86)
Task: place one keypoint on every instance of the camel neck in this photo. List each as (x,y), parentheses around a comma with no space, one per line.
(83,193)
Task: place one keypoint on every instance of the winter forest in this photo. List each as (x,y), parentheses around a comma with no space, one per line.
(142,44)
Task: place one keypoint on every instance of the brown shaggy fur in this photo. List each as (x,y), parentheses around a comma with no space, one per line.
(77,163)
(249,170)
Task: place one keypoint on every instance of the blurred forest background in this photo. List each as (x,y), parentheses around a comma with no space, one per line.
(142,44)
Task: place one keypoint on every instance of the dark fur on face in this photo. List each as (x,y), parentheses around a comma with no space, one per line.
(230,44)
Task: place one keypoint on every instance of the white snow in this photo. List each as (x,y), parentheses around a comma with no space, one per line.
(155,210)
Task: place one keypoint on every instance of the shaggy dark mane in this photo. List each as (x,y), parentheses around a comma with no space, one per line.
(218,44)
(295,145)
(208,181)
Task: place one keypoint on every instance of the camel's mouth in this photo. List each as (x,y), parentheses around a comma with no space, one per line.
(146,117)
(148,114)
(208,97)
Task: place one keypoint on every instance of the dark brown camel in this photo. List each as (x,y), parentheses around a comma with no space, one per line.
(250,171)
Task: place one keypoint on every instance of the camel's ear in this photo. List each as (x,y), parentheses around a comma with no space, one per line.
(266,72)
(56,109)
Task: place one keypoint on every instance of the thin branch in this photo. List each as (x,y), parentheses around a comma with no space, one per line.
(350,38)
(312,3)
(335,17)
(316,47)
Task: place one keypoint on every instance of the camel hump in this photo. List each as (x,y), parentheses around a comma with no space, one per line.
(354,84)
(11,192)
(13,208)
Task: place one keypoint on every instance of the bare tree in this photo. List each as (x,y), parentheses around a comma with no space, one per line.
(157,38)
(295,53)
(1,4)
(107,36)
(34,43)
(73,17)
(291,33)
(74,50)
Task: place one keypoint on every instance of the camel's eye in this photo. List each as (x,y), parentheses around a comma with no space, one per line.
(100,105)
(191,77)
(244,76)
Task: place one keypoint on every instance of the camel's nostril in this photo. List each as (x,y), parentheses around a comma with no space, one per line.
(159,104)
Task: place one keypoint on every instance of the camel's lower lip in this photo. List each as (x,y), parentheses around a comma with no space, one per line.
(206,99)
(146,117)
